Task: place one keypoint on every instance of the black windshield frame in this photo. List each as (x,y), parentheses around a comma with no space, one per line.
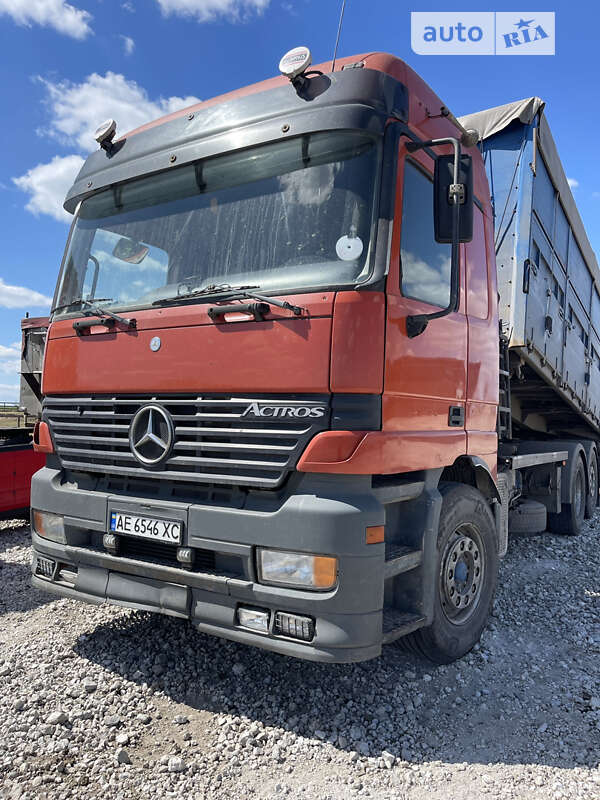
(375,266)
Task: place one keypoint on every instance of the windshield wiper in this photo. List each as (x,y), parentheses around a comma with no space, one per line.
(107,318)
(296,310)
(232,291)
(80,301)
(222,288)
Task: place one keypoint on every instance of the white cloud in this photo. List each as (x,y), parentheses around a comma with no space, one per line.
(9,392)
(78,108)
(56,14)
(128,44)
(208,10)
(10,358)
(47,186)
(573,182)
(20,297)
(127,6)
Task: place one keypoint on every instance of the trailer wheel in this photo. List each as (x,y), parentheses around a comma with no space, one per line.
(465,576)
(570,520)
(592,497)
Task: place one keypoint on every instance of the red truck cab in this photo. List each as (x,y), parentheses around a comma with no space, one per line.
(241,426)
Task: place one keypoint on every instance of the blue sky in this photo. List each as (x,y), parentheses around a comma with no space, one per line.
(67,67)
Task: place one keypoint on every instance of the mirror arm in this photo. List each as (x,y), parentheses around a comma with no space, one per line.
(95,278)
(416,323)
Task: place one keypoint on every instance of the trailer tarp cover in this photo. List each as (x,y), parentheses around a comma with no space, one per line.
(493,120)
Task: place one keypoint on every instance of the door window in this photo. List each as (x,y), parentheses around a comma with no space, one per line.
(425,264)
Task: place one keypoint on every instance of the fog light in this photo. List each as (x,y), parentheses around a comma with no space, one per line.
(254,619)
(50,526)
(185,555)
(44,567)
(110,542)
(294,626)
(67,574)
(297,570)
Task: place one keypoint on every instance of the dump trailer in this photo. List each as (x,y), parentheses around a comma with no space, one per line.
(304,369)
(549,284)
(18,461)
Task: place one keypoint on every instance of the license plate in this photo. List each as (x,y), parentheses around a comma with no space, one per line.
(161,530)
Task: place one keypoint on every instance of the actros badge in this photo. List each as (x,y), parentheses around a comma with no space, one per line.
(257,410)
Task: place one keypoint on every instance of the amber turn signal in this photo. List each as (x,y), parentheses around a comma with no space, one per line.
(375,534)
(42,443)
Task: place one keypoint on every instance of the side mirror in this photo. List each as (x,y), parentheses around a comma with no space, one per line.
(443,180)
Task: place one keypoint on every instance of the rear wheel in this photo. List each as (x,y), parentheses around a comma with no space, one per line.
(466,574)
(592,497)
(570,520)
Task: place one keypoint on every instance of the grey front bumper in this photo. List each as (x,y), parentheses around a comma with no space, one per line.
(326,515)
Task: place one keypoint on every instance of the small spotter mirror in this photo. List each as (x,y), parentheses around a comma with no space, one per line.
(130,251)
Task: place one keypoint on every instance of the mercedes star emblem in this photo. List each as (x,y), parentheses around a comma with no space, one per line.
(151,435)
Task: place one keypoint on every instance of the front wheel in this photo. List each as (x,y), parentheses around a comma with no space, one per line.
(466,576)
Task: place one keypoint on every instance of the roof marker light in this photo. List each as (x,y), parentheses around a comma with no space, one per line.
(295,62)
(105,133)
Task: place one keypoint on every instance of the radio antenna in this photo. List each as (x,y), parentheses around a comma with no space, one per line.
(337,40)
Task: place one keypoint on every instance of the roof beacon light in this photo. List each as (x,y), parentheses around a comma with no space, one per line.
(294,63)
(105,133)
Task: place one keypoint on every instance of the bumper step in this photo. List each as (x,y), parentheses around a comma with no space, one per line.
(399,559)
(399,623)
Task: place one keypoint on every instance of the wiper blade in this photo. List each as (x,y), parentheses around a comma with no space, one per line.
(231,291)
(93,310)
(296,310)
(223,288)
(79,301)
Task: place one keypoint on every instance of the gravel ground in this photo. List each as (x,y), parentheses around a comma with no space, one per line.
(100,702)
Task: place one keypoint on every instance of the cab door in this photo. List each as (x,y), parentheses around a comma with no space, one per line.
(426,376)
(482,372)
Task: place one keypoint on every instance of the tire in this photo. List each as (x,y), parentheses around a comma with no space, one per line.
(592,496)
(527,518)
(466,538)
(570,520)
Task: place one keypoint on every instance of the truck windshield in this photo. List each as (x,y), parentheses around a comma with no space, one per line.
(291,215)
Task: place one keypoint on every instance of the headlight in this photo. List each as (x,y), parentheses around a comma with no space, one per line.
(50,526)
(296,570)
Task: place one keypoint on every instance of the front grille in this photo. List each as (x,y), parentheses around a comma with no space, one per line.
(161,553)
(214,443)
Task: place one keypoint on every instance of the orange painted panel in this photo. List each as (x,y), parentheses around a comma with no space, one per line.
(358,342)
(383,453)
(482,443)
(425,375)
(409,413)
(482,316)
(319,304)
(288,356)
(282,354)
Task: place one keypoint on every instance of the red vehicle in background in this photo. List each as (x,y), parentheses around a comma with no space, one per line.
(18,461)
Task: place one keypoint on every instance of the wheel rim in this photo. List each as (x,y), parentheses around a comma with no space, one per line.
(579,497)
(593,485)
(462,574)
